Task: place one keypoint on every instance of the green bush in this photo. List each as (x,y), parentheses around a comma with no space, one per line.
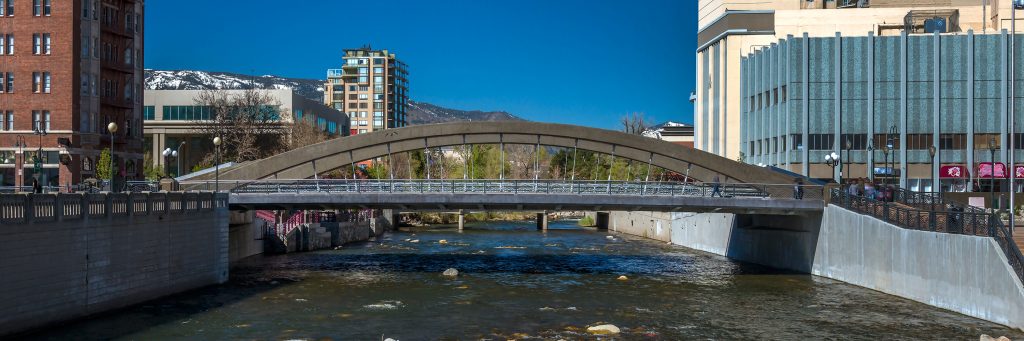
(586,221)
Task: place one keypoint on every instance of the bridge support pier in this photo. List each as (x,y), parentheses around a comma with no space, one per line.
(542,221)
(601,220)
(462,220)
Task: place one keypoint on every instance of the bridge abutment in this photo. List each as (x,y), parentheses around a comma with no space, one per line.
(542,221)
(462,219)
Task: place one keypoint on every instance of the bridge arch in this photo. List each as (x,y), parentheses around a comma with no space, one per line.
(303,162)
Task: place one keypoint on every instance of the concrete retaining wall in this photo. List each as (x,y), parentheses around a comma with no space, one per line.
(784,242)
(966,274)
(245,236)
(653,225)
(55,271)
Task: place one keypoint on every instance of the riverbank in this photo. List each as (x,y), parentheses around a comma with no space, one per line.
(517,283)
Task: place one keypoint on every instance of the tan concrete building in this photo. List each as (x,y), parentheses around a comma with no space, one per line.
(67,69)
(731,29)
(371,88)
(172,115)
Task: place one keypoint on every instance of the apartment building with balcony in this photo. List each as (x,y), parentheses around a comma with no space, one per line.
(69,68)
(371,88)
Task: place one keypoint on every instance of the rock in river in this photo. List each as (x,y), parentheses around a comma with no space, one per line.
(603,329)
(451,272)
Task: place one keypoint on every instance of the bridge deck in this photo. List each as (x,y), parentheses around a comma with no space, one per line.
(496,201)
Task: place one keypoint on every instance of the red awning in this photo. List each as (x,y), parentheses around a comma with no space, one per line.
(985,170)
(954,172)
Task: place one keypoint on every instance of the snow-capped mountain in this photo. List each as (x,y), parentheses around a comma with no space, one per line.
(418,113)
(205,80)
(655,131)
(425,113)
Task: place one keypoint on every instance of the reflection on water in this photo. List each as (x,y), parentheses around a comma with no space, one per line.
(516,282)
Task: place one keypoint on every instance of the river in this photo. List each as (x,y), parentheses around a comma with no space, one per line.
(516,282)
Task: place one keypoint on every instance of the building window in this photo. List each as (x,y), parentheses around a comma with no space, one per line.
(378,79)
(857,141)
(10,82)
(187,113)
(782,92)
(378,70)
(7,8)
(363,79)
(364,97)
(363,105)
(9,121)
(378,61)
(919,141)
(149,112)
(957,141)
(9,39)
(821,141)
(363,71)
(362,114)
(41,8)
(798,141)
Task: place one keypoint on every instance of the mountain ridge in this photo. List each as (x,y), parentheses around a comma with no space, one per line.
(313,89)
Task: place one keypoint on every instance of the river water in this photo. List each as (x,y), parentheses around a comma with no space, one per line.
(516,282)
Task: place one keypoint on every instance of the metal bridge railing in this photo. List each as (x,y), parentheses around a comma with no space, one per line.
(946,217)
(36,208)
(642,188)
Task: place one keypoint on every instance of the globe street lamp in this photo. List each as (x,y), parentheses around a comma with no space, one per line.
(216,143)
(167,155)
(112,128)
(832,160)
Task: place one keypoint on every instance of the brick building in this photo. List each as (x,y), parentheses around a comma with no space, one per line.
(69,68)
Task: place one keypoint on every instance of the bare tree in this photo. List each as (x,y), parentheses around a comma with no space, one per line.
(303,133)
(634,123)
(520,161)
(248,122)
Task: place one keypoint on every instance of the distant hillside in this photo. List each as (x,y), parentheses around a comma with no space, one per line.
(426,113)
(419,112)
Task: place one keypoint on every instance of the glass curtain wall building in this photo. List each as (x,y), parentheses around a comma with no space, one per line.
(886,105)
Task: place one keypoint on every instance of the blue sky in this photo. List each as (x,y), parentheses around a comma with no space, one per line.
(567,61)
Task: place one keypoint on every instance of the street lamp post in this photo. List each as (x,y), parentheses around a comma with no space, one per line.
(888,169)
(849,148)
(832,160)
(19,142)
(992,173)
(112,128)
(177,159)
(891,143)
(167,156)
(216,144)
(935,181)
(39,131)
